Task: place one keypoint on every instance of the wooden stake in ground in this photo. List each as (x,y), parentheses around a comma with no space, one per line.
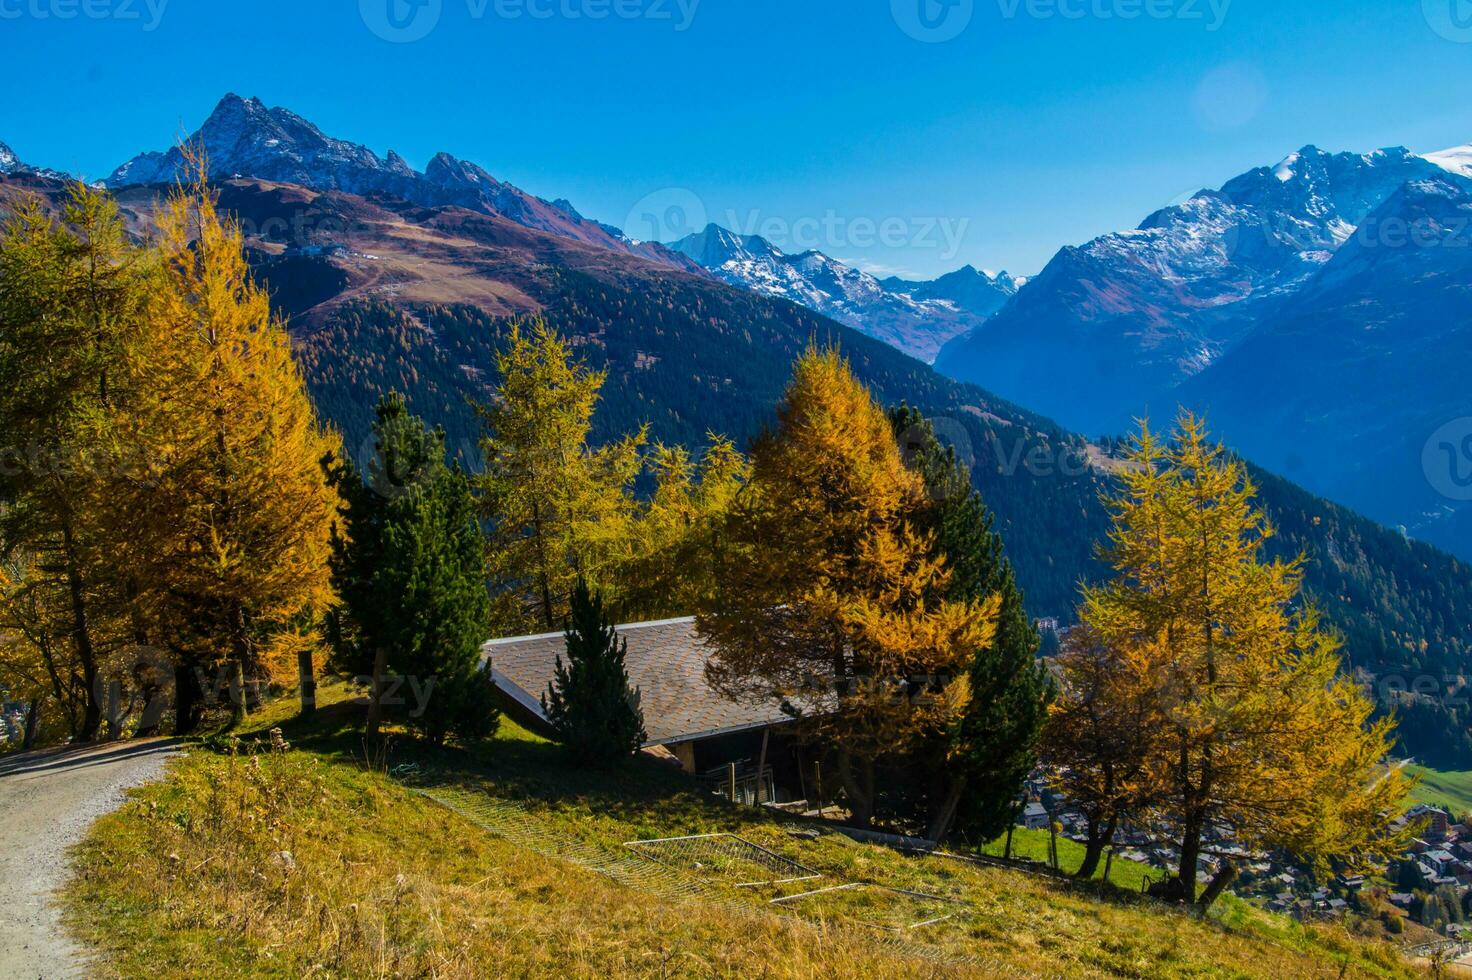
(761,765)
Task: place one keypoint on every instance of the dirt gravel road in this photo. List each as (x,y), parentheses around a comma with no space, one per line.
(48,800)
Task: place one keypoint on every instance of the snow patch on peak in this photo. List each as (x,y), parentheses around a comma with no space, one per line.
(1284,170)
(1457,159)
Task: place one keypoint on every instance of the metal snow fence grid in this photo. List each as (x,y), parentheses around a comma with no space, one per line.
(724,856)
(880,906)
(514,823)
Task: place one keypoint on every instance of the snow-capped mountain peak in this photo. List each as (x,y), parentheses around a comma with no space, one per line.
(916,324)
(10,164)
(1457,159)
(1284,170)
(244,136)
(714,246)
(1136,312)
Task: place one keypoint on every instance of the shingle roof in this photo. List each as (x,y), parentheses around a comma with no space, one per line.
(665,661)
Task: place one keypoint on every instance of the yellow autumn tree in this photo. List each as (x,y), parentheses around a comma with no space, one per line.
(824,597)
(235,514)
(558,509)
(75,297)
(38,665)
(1262,734)
(672,539)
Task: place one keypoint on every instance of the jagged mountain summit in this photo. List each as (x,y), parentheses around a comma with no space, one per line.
(244,138)
(917,324)
(972,289)
(1110,327)
(8,162)
(11,165)
(1354,387)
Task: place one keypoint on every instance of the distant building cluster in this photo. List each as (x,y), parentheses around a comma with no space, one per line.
(1436,869)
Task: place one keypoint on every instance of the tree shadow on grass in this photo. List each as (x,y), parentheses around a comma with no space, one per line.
(538,775)
(514,765)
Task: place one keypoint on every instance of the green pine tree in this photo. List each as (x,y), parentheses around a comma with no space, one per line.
(981,763)
(592,707)
(408,562)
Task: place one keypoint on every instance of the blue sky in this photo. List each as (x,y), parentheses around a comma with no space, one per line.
(1007,129)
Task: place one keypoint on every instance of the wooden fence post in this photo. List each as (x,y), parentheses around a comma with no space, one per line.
(761,767)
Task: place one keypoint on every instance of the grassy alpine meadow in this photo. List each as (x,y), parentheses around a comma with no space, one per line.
(1032,845)
(293,856)
(1452,790)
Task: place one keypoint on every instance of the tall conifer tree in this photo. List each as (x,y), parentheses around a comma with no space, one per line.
(980,764)
(593,708)
(408,560)
(75,301)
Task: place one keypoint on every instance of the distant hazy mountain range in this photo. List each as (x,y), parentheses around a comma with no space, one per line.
(916,317)
(1320,311)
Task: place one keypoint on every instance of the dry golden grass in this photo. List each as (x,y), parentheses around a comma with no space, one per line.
(192,878)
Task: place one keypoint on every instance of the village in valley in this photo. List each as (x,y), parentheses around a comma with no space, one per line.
(1415,887)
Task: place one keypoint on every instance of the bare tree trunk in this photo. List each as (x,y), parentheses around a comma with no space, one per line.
(945,815)
(1099,838)
(82,638)
(1093,852)
(1190,854)
(33,723)
(375,697)
(860,797)
(59,690)
(187,697)
(308,682)
(238,710)
(1225,875)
